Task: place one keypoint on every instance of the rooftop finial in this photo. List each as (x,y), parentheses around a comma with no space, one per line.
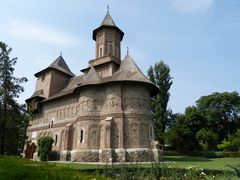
(127,50)
(60,53)
(108,9)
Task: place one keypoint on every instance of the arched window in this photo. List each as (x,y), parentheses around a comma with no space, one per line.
(100,53)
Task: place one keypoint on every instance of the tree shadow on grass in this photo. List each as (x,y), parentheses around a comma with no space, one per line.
(186,159)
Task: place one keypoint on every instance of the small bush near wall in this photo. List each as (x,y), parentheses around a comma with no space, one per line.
(206,154)
(231,153)
(44,147)
(54,156)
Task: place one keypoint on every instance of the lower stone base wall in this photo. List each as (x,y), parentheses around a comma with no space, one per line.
(139,155)
(65,156)
(85,156)
(111,155)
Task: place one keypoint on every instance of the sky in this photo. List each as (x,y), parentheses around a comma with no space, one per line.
(198,39)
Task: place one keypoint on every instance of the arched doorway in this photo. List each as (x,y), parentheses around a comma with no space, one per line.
(30,149)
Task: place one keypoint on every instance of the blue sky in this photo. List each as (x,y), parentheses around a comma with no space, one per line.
(198,39)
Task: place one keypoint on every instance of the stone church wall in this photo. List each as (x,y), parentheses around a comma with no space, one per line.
(99,123)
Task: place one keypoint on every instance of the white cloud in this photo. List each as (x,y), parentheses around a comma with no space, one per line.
(196,6)
(40,34)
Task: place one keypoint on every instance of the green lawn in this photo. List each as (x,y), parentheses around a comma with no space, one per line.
(18,168)
(78,165)
(175,162)
(201,162)
(12,168)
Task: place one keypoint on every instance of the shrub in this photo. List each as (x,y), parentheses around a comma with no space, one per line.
(171,153)
(206,154)
(231,153)
(44,147)
(232,143)
(54,156)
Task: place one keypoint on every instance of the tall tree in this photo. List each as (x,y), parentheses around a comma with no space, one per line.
(10,88)
(182,132)
(160,76)
(222,112)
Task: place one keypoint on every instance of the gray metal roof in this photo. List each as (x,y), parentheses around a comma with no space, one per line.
(60,65)
(91,77)
(36,94)
(127,72)
(108,21)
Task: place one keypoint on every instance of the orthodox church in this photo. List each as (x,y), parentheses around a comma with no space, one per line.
(103,115)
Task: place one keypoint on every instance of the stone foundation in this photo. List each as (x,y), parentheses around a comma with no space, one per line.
(85,156)
(65,156)
(111,155)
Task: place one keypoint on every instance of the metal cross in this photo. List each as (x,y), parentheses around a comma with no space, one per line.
(108,8)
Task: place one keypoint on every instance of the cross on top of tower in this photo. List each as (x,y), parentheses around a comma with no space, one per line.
(108,8)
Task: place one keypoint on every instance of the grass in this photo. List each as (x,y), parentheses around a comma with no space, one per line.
(201,162)
(174,162)
(175,166)
(12,168)
(78,166)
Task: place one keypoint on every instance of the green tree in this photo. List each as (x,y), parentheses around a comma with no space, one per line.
(232,143)
(160,76)
(181,133)
(179,136)
(207,139)
(10,88)
(222,113)
(44,147)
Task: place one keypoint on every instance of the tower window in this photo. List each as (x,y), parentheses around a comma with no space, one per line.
(109,48)
(117,52)
(81,136)
(100,53)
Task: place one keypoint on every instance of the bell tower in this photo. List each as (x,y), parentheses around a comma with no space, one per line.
(108,38)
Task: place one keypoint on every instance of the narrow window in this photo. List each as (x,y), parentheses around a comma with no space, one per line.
(56,139)
(117,52)
(151,132)
(100,52)
(81,136)
(109,48)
